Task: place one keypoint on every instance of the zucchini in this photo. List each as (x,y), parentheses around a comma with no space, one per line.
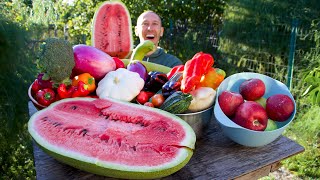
(150,66)
(177,103)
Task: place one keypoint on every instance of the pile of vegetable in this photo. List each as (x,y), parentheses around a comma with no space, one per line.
(68,71)
(186,88)
(82,70)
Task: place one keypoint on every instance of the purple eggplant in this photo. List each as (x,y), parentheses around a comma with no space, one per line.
(138,67)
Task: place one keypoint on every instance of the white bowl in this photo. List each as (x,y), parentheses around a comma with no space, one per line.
(240,134)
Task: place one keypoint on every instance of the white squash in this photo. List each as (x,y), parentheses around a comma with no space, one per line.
(203,98)
(121,84)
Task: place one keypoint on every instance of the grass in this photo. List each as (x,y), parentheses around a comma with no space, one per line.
(305,130)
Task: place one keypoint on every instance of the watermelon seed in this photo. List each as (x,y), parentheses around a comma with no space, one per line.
(44,118)
(107,116)
(134,148)
(174,133)
(57,124)
(84,132)
(141,124)
(161,129)
(73,107)
(119,142)
(115,120)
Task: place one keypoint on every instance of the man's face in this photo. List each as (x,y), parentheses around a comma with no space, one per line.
(149,27)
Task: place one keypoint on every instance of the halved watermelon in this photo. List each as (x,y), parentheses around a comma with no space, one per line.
(112,30)
(113,138)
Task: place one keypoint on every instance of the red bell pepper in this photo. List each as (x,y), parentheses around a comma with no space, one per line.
(35,86)
(119,63)
(175,70)
(208,60)
(194,69)
(81,90)
(65,92)
(45,96)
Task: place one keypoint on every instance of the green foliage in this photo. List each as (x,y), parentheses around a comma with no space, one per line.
(256,34)
(20,23)
(313,90)
(311,59)
(38,17)
(16,67)
(75,21)
(190,26)
(305,130)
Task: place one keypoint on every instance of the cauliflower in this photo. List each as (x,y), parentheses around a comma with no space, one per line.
(56,59)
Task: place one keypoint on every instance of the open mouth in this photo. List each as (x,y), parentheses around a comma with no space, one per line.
(150,36)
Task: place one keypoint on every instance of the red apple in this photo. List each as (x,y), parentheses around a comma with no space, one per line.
(229,102)
(279,107)
(251,115)
(252,89)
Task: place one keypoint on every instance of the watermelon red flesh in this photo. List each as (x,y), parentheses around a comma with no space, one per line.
(112,132)
(112,29)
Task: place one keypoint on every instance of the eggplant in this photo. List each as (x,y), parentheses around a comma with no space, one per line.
(138,67)
(173,85)
(155,81)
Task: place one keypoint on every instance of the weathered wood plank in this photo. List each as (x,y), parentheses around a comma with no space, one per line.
(215,157)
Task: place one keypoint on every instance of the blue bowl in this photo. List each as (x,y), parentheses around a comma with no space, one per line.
(240,134)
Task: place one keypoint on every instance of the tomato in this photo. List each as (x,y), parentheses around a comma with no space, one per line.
(157,100)
(142,97)
(148,104)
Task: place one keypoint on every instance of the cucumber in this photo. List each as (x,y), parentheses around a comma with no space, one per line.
(150,66)
(177,103)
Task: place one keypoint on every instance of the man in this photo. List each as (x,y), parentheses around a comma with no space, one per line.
(149,27)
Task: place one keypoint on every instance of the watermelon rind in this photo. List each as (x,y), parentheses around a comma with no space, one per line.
(96,166)
(113,2)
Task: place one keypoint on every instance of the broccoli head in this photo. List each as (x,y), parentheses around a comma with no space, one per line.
(56,59)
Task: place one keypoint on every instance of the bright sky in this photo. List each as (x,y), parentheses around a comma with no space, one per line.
(68,1)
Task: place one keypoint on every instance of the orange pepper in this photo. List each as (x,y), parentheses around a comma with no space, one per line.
(87,79)
(213,78)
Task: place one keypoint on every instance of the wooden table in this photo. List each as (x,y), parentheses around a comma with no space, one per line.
(215,157)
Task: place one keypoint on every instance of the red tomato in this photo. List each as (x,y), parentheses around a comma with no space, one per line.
(148,104)
(150,94)
(142,97)
(157,100)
